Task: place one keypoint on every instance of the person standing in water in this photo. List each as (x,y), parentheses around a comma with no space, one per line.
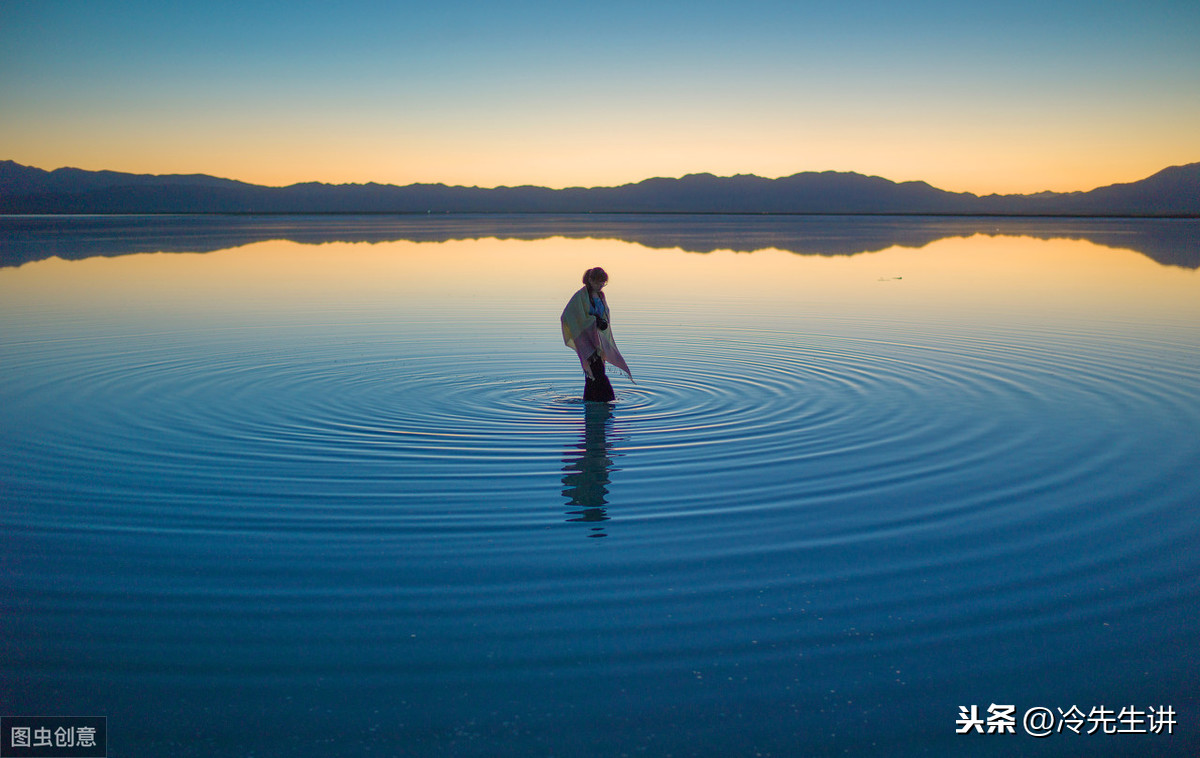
(586,330)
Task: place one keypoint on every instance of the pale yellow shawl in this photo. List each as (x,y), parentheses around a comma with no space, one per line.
(581,334)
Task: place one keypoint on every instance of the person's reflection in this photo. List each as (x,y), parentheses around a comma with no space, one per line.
(585,485)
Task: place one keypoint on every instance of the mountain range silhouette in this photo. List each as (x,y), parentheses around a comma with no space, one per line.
(1172,192)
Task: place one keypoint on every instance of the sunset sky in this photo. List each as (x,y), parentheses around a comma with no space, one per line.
(979,97)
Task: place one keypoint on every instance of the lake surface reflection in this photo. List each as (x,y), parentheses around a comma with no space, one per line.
(334,492)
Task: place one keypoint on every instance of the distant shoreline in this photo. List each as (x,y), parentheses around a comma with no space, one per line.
(419,214)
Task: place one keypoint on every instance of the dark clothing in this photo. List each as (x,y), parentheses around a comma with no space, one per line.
(600,388)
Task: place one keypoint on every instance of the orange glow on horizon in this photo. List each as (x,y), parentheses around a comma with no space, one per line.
(947,160)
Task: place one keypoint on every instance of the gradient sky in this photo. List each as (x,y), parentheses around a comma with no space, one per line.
(979,97)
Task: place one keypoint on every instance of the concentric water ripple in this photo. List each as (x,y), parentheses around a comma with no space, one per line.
(817,430)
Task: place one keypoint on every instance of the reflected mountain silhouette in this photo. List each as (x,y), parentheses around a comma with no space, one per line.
(1171,242)
(588,466)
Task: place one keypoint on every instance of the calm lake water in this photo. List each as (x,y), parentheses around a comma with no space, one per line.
(301,486)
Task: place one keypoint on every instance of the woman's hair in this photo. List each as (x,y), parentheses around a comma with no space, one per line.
(596,274)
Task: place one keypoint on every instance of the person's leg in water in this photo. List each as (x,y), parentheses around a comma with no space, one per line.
(599,388)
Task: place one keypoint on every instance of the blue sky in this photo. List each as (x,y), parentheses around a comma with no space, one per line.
(978,97)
